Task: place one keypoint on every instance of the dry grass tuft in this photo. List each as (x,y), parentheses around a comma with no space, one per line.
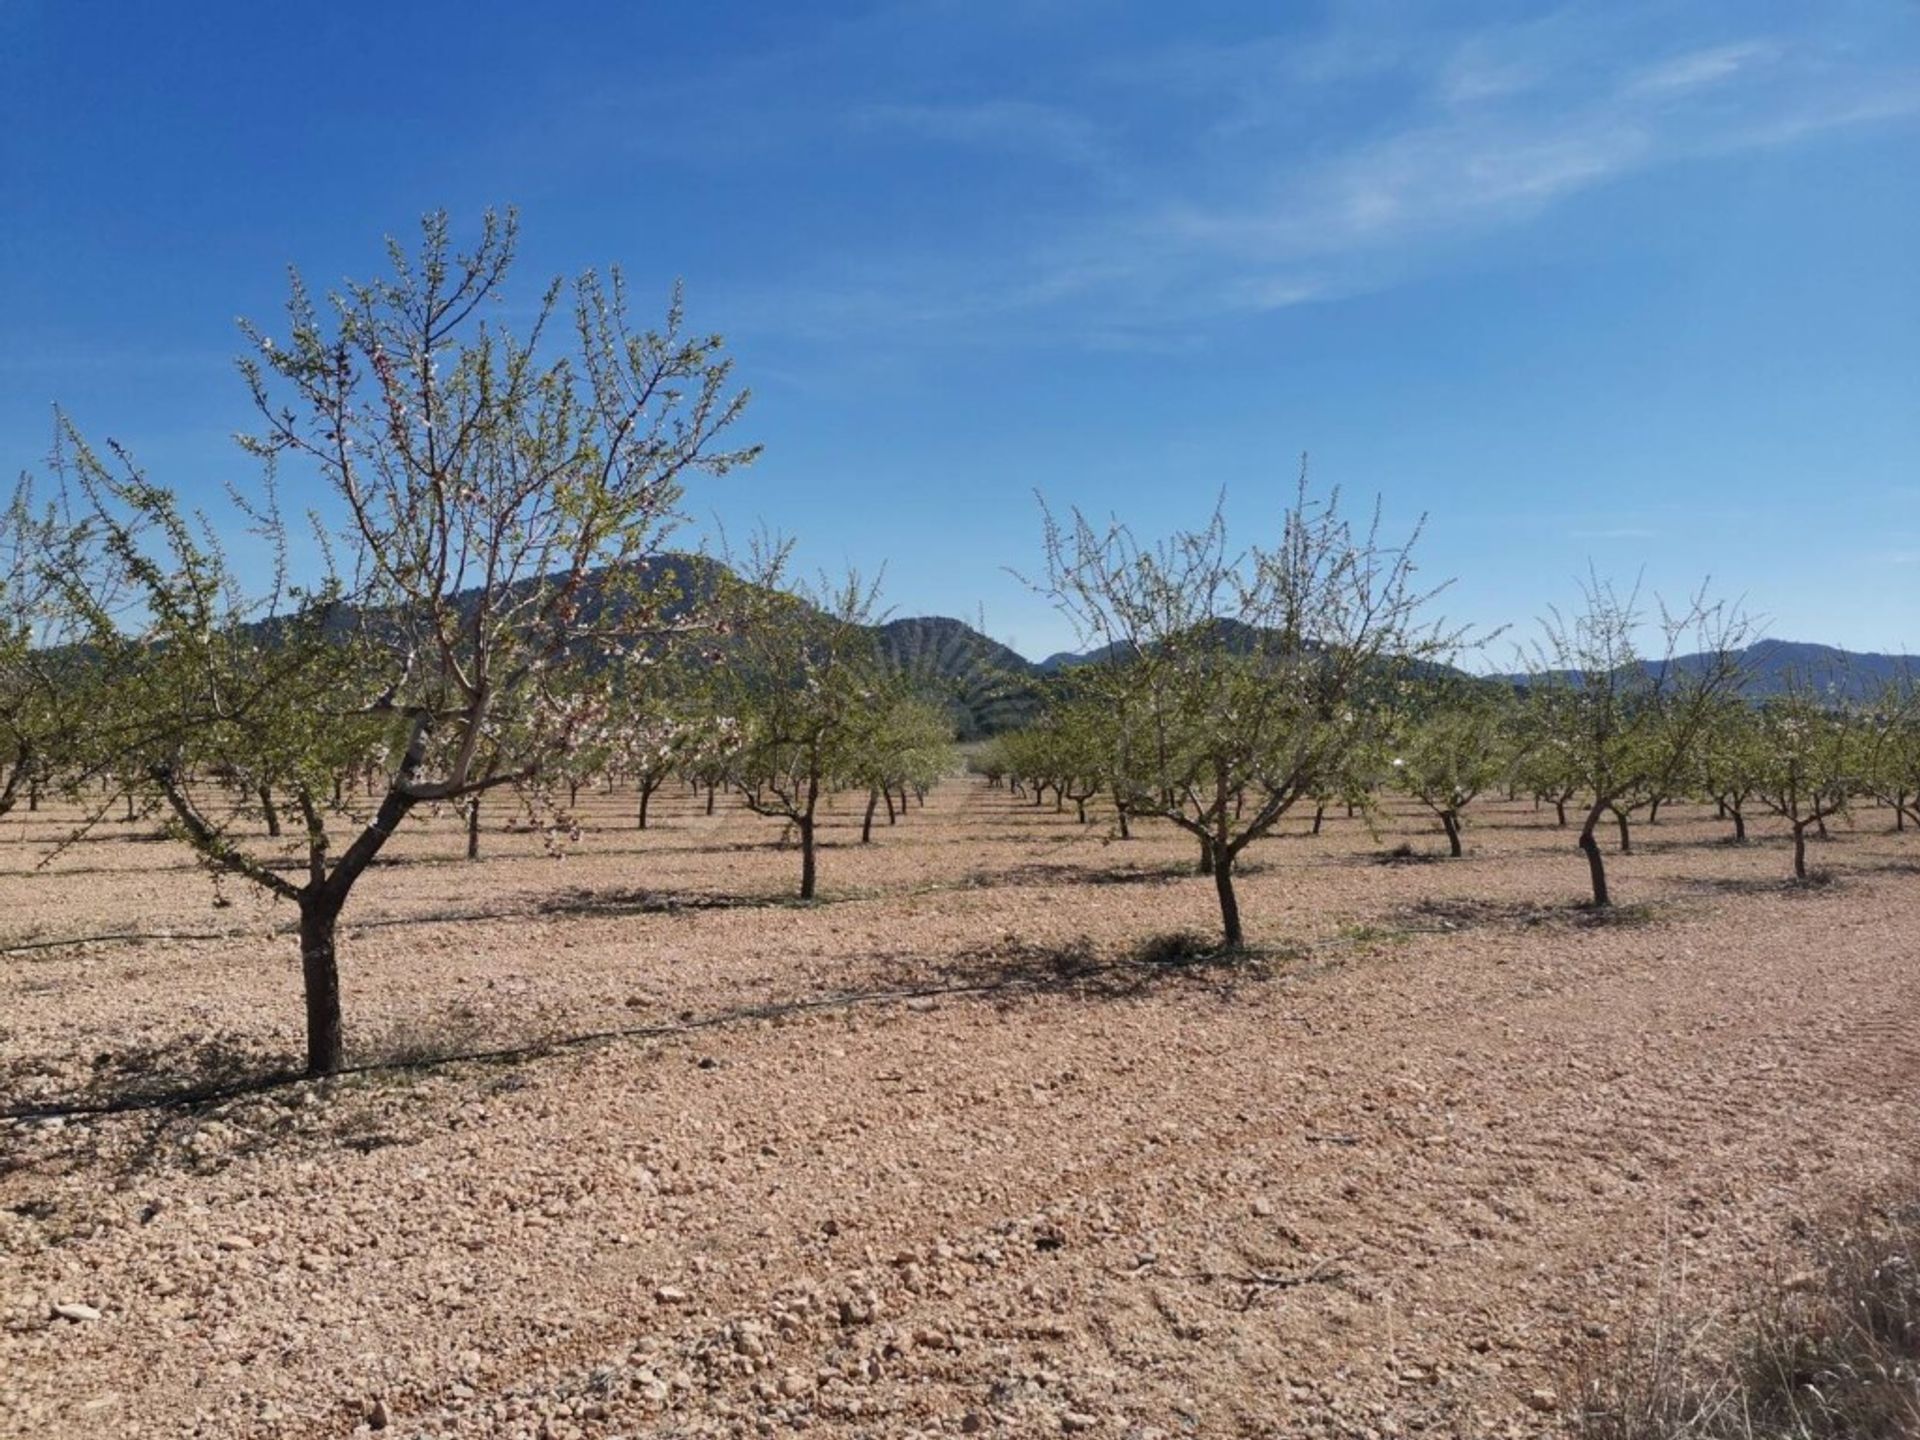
(1832,1353)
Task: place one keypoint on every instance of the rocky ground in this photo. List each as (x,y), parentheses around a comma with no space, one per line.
(940,1155)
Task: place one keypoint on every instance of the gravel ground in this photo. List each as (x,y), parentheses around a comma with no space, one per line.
(937,1155)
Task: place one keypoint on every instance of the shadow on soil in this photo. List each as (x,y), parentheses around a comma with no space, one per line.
(206,1075)
(1524,915)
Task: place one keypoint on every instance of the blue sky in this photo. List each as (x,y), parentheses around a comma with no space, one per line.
(1632,284)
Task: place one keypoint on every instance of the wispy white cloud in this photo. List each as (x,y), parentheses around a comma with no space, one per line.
(1021,127)
(1288,170)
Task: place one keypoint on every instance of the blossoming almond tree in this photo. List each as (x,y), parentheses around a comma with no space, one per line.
(488,501)
(1239,681)
(1627,724)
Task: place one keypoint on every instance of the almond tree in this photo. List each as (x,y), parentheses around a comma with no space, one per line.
(1626,727)
(50,686)
(802,675)
(1456,748)
(906,741)
(1241,681)
(1808,762)
(1891,752)
(1731,762)
(489,500)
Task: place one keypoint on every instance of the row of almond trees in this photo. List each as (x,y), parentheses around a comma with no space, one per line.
(1230,688)
(1796,756)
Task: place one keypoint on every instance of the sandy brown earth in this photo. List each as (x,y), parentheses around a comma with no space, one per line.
(935,1156)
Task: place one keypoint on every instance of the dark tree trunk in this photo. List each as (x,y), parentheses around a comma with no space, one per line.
(273,815)
(808,872)
(1206,863)
(1626,835)
(1560,812)
(1820,824)
(646,799)
(1230,932)
(1596,867)
(1081,805)
(473,828)
(1800,852)
(1653,812)
(866,825)
(33,795)
(573,794)
(1126,832)
(320,974)
(887,795)
(1739,827)
(1319,815)
(710,790)
(338,798)
(1452,823)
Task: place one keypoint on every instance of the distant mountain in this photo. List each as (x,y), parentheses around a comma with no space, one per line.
(1772,666)
(1066,659)
(988,687)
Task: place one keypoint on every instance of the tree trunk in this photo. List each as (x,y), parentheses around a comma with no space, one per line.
(1452,823)
(1206,863)
(1596,867)
(1560,811)
(272,814)
(710,790)
(1230,932)
(873,804)
(1653,812)
(1800,851)
(1126,832)
(320,976)
(1820,823)
(1626,836)
(887,795)
(1319,814)
(646,799)
(1081,805)
(473,828)
(1739,827)
(807,868)
(33,795)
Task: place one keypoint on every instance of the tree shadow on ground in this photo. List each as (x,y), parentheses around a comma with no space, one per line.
(650,902)
(1818,882)
(1470,914)
(1043,872)
(1078,969)
(133,1077)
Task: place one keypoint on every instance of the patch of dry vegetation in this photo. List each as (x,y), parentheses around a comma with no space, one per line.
(1829,1353)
